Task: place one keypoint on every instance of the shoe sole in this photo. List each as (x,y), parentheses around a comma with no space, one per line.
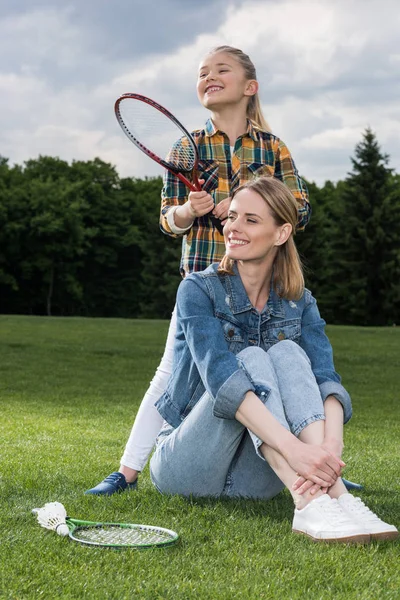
(362,538)
(385,535)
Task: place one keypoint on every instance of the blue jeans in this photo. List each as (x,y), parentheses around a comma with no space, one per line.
(210,456)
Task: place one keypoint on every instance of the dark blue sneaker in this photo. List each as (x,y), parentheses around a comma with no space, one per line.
(352,486)
(112,484)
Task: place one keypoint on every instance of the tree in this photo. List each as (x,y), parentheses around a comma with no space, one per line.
(366,241)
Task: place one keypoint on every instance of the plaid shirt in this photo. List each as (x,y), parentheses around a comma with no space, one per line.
(255,153)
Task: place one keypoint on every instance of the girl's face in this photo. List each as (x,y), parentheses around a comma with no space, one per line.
(251,233)
(222,82)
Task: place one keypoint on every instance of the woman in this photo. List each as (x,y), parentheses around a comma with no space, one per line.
(254,403)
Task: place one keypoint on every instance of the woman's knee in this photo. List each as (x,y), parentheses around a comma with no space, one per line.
(287,351)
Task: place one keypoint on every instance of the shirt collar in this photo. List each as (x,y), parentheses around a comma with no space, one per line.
(252,129)
(239,301)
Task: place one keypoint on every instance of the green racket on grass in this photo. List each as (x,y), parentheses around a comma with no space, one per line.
(53,516)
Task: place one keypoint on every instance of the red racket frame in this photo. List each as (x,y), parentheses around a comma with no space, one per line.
(193,186)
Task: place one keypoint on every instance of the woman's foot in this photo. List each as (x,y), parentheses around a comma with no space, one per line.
(323,519)
(116,482)
(356,509)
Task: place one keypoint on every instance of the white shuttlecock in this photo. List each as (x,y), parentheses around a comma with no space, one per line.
(52,516)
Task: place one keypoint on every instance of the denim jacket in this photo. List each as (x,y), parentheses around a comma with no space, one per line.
(216,320)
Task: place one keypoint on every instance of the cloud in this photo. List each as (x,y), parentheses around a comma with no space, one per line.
(325,75)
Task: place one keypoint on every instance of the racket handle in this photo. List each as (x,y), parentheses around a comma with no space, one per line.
(216,222)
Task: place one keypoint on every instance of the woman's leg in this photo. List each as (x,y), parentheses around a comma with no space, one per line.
(209,456)
(294,400)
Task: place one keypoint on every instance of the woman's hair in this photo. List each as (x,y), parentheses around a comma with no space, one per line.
(288,278)
(254,112)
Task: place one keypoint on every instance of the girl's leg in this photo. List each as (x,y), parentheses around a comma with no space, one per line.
(148,421)
(146,427)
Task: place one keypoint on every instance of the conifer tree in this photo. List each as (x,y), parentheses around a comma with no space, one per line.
(365,256)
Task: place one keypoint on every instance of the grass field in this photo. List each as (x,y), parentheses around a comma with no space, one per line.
(69,390)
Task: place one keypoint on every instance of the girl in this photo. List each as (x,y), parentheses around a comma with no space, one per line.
(261,407)
(234,146)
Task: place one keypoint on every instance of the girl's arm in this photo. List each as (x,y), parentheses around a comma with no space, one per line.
(174,194)
(286,171)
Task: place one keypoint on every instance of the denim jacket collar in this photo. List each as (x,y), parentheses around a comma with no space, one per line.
(239,301)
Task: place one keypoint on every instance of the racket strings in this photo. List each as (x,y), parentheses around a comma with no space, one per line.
(115,535)
(148,127)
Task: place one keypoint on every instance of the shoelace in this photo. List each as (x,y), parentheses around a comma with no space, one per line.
(359,508)
(334,512)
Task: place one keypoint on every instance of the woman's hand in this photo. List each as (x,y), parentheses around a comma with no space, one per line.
(315,465)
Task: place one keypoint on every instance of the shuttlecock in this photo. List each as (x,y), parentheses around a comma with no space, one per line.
(52,516)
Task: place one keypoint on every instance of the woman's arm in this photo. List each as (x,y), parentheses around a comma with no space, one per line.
(314,463)
(219,370)
(317,346)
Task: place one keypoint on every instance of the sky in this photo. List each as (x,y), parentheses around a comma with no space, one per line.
(327,71)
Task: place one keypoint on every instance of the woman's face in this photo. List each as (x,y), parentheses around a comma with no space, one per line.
(222,81)
(251,233)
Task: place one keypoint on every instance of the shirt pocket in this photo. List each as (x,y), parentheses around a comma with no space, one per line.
(282,330)
(208,170)
(256,169)
(234,336)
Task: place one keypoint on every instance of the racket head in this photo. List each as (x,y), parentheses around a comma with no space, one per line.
(120,535)
(157,133)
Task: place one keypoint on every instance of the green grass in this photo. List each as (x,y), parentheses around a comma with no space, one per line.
(69,390)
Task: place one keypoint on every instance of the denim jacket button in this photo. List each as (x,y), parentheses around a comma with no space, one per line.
(231,333)
(281,336)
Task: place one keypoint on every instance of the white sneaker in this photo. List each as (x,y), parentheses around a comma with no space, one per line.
(356,509)
(323,519)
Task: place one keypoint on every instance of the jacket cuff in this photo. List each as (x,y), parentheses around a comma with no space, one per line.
(231,395)
(171,221)
(332,388)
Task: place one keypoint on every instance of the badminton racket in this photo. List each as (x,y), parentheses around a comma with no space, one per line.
(157,133)
(53,516)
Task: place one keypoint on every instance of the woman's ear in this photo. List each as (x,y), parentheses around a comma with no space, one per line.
(251,87)
(284,234)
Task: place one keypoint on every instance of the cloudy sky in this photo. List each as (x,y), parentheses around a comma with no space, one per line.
(327,70)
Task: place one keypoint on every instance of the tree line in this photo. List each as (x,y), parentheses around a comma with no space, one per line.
(76,239)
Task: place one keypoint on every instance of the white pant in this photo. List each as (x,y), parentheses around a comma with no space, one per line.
(148,420)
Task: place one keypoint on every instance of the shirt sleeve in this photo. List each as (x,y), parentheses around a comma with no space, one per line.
(286,171)
(317,346)
(174,194)
(219,370)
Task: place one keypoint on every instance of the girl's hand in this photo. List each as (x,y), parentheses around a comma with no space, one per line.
(315,463)
(200,203)
(221,210)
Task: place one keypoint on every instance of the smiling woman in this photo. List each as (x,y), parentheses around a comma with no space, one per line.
(271,407)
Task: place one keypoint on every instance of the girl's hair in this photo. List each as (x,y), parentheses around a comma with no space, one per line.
(254,112)
(288,278)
